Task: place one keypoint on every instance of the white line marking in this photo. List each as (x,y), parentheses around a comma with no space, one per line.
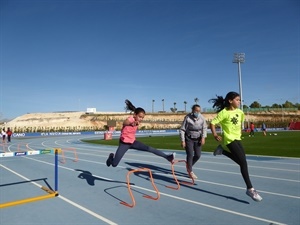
(205,162)
(199,203)
(194,202)
(171,196)
(231,186)
(64,199)
(272,193)
(213,207)
(88,211)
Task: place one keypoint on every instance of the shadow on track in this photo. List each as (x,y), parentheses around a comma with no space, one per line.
(171,179)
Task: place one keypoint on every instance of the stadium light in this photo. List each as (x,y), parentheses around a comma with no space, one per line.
(153,105)
(240,58)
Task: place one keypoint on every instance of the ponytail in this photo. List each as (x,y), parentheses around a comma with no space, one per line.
(130,107)
(220,103)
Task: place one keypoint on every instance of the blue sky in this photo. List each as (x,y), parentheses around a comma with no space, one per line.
(66,55)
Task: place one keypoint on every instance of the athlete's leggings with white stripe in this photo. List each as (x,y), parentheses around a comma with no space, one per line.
(123,147)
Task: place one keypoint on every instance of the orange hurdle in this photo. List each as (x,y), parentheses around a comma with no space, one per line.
(19,147)
(63,158)
(175,178)
(129,189)
(3,146)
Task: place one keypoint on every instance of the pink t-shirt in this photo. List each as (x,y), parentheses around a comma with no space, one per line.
(128,132)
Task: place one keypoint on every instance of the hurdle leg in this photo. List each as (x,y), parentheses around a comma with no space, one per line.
(75,155)
(129,187)
(3,147)
(63,160)
(175,178)
(63,157)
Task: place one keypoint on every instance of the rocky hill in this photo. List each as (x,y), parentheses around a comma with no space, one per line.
(76,121)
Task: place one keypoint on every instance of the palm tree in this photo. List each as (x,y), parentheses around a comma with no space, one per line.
(196,100)
(185,102)
(174,106)
(163,104)
(153,106)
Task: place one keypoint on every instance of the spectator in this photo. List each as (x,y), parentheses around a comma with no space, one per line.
(251,130)
(9,133)
(192,134)
(264,129)
(3,133)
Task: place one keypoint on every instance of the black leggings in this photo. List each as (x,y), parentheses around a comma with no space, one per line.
(123,147)
(237,154)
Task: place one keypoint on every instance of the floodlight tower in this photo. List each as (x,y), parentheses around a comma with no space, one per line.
(239,58)
(153,105)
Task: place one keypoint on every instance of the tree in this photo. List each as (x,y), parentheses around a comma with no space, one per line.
(288,104)
(163,104)
(185,102)
(255,104)
(245,107)
(275,106)
(196,100)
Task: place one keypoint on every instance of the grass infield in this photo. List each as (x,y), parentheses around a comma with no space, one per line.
(285,143)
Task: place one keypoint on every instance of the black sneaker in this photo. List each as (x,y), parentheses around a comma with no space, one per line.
(219,150)
(110,159)
(171,157)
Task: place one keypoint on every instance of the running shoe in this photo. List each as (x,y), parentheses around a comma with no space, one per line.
(110,159)
(254,195)
(219,150)
(192,175)
(171,157)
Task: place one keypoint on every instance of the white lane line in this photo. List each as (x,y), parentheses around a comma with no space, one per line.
(264,177)
(204,162)
(256,167)
(214,207)
(178,198)
(211,170)
(25,178)
(88,211)
(170,175)
(252,175)
(218,171)
(231,186)
(64,198)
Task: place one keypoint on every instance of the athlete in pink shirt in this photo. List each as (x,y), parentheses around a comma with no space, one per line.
(127,138)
